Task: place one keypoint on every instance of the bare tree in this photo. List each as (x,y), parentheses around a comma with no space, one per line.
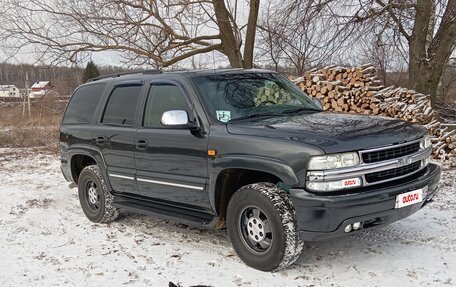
(424,28)
(448,83)
(380,49)
(155,32)
(302,34)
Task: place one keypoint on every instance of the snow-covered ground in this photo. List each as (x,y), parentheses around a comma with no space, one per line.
(45,240)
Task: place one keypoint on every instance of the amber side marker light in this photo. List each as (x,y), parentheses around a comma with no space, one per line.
(212,152)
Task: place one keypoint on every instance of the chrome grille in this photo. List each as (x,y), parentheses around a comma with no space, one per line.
(391,153)
(392,173)
(379,165)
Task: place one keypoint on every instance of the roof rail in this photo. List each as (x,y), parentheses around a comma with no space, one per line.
(123,74)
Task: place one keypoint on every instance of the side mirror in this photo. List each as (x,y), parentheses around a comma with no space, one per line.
(318,102)
(177,119)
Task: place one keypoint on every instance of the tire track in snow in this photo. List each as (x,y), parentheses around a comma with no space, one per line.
(388,235)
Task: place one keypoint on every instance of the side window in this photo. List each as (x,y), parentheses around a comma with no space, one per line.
(162,98)
(121,106)
(83,103)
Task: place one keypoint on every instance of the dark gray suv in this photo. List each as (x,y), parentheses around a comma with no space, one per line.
(241,149)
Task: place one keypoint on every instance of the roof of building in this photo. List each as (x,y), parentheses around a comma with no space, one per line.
(40,84)
(41,92)
(7,86)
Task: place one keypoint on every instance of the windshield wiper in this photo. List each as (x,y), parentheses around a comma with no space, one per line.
(253,116)
(300,110)
(276,114)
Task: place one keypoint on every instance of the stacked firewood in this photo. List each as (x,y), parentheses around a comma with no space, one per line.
(446,111)
(358,90)
(343,89)
(443,140)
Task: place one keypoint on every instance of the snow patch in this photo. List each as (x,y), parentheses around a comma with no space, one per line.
(46,241)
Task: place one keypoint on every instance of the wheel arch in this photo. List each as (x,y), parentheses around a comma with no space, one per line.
(231,173)
(81,158)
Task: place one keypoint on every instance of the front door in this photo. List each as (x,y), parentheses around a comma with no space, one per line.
(171,164)
(115,136)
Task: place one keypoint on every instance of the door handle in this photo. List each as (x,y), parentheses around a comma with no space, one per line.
(141,144)
(100,140)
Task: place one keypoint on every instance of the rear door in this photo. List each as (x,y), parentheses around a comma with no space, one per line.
(172,165)
(115,135)
(76,128)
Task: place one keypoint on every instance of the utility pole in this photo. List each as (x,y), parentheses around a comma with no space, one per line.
(25,94)
(23,104)
(28,94)
(26,97)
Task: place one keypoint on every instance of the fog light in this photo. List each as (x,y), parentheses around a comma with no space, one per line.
(348,228)
(333,185)
(356,225)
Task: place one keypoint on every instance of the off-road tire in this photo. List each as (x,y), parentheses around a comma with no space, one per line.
(275,204)
(105,212)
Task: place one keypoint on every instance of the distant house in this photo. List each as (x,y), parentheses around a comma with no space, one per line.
(9,91)
(40,89)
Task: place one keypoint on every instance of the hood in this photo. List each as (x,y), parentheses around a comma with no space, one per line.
(332,132)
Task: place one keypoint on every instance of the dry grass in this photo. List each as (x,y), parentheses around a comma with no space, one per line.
(41,129)
(20,136)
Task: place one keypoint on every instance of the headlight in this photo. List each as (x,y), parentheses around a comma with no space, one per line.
(426,142)
(331,161)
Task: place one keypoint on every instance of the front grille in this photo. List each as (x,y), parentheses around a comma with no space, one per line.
(392,173)
(394,152)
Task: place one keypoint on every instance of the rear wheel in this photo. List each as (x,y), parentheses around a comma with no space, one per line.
(95,199)
(262,227)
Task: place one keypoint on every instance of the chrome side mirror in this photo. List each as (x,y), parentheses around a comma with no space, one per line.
(177,119)
(174,118)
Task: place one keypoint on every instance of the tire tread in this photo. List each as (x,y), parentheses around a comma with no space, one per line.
(110,212)
(281,200)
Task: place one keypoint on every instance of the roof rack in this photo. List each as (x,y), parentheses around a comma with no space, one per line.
(123,74)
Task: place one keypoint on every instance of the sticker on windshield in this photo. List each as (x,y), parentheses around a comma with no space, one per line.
(223,116)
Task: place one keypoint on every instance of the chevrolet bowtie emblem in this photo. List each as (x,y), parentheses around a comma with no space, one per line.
(404,161)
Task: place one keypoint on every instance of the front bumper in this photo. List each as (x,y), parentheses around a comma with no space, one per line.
(321,216)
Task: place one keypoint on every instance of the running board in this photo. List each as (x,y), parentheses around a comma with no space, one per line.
(179,214)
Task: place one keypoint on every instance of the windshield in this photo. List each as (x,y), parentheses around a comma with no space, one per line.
(232,96)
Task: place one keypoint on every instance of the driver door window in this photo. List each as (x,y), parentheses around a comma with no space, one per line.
(162,98)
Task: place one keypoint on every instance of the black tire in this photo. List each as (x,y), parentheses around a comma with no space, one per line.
(96,200)
(281,244)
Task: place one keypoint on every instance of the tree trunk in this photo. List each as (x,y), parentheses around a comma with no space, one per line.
(426,78)
(428,58)
(230,47)
(250,35)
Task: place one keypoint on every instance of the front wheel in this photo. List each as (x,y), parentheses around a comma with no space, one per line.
(96,200)
(262,227)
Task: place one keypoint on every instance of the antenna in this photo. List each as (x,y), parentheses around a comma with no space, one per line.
(213,59)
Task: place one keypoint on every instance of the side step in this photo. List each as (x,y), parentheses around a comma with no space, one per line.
(179,214)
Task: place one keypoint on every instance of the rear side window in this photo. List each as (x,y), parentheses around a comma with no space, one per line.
(162,98)
(82,105)
(121,106)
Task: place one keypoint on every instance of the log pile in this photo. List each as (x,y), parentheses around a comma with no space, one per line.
(443,140)
(446,111)
(358,90)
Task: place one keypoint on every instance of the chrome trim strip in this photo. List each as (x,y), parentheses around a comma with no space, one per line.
(390,146)
(121,176)
(362,169)
(170,183)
